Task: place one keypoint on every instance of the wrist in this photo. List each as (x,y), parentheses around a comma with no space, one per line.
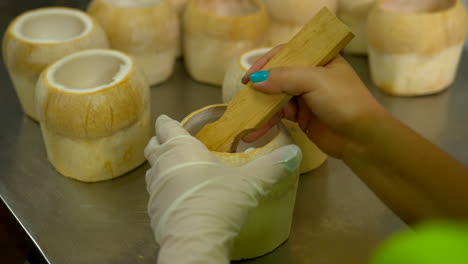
(193,250)
(366,131)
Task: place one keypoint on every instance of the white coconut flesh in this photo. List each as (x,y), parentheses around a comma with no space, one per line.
(199,120)
(419,6)
(52,25)
(249,58)
(228,8)
(134,3)
(89,71)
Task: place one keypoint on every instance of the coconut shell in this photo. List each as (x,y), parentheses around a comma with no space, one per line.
(415,49)
(94,111)
(148,32)
(288,17)
(37,38)
(213,38)
(424,33)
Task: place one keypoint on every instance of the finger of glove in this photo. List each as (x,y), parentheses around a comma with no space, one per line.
(150,149)
(263,172)
(172,154)
(180,150)
(182,155)
(183,148)
(175,140)
(167,128)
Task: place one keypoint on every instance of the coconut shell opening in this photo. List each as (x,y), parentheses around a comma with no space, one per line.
(194,123)
(419,6)
(250,57)
(133,3)
(228,8)
(52,25)
(90,70)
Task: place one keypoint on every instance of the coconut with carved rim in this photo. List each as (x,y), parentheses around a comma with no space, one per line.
(216,31)
(268,225)
(354,14)
(146,29)
(288,17)
(312,156)
(94,111)
(38,37)
(415,46)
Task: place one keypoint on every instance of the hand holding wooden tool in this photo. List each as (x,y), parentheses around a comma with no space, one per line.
(319,41)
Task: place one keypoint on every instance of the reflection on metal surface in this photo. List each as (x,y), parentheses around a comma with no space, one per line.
(337,218)
(427,115)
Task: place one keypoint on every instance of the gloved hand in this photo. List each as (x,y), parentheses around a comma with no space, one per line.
(198,205)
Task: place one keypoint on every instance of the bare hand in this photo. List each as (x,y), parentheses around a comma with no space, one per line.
(327,101)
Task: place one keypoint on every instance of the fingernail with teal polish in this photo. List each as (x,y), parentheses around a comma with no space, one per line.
(259,76)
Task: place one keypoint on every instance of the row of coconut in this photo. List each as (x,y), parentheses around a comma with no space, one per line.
(93,105)
(208,33)
(413,47)
(92,102)
(215,32)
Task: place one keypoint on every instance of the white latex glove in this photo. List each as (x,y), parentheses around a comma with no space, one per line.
(198,205)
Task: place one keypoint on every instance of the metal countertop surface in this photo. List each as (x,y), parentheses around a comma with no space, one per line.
(337,219)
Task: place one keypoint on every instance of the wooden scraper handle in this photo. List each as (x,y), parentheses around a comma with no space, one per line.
(319,41)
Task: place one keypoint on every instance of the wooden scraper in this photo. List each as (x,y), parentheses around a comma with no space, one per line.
(319,41)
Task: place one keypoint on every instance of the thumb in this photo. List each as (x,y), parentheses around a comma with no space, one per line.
(264,172)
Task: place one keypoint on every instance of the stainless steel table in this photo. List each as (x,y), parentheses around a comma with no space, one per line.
(337,218)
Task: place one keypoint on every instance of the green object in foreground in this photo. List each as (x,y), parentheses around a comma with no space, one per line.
(440,242)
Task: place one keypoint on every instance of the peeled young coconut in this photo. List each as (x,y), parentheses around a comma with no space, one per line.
(38,37)
(217,31)
(237,69)
(289,16)
(268,225)
(415,46)
(146,29)
(354,14)
(94,111)
(312,156)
